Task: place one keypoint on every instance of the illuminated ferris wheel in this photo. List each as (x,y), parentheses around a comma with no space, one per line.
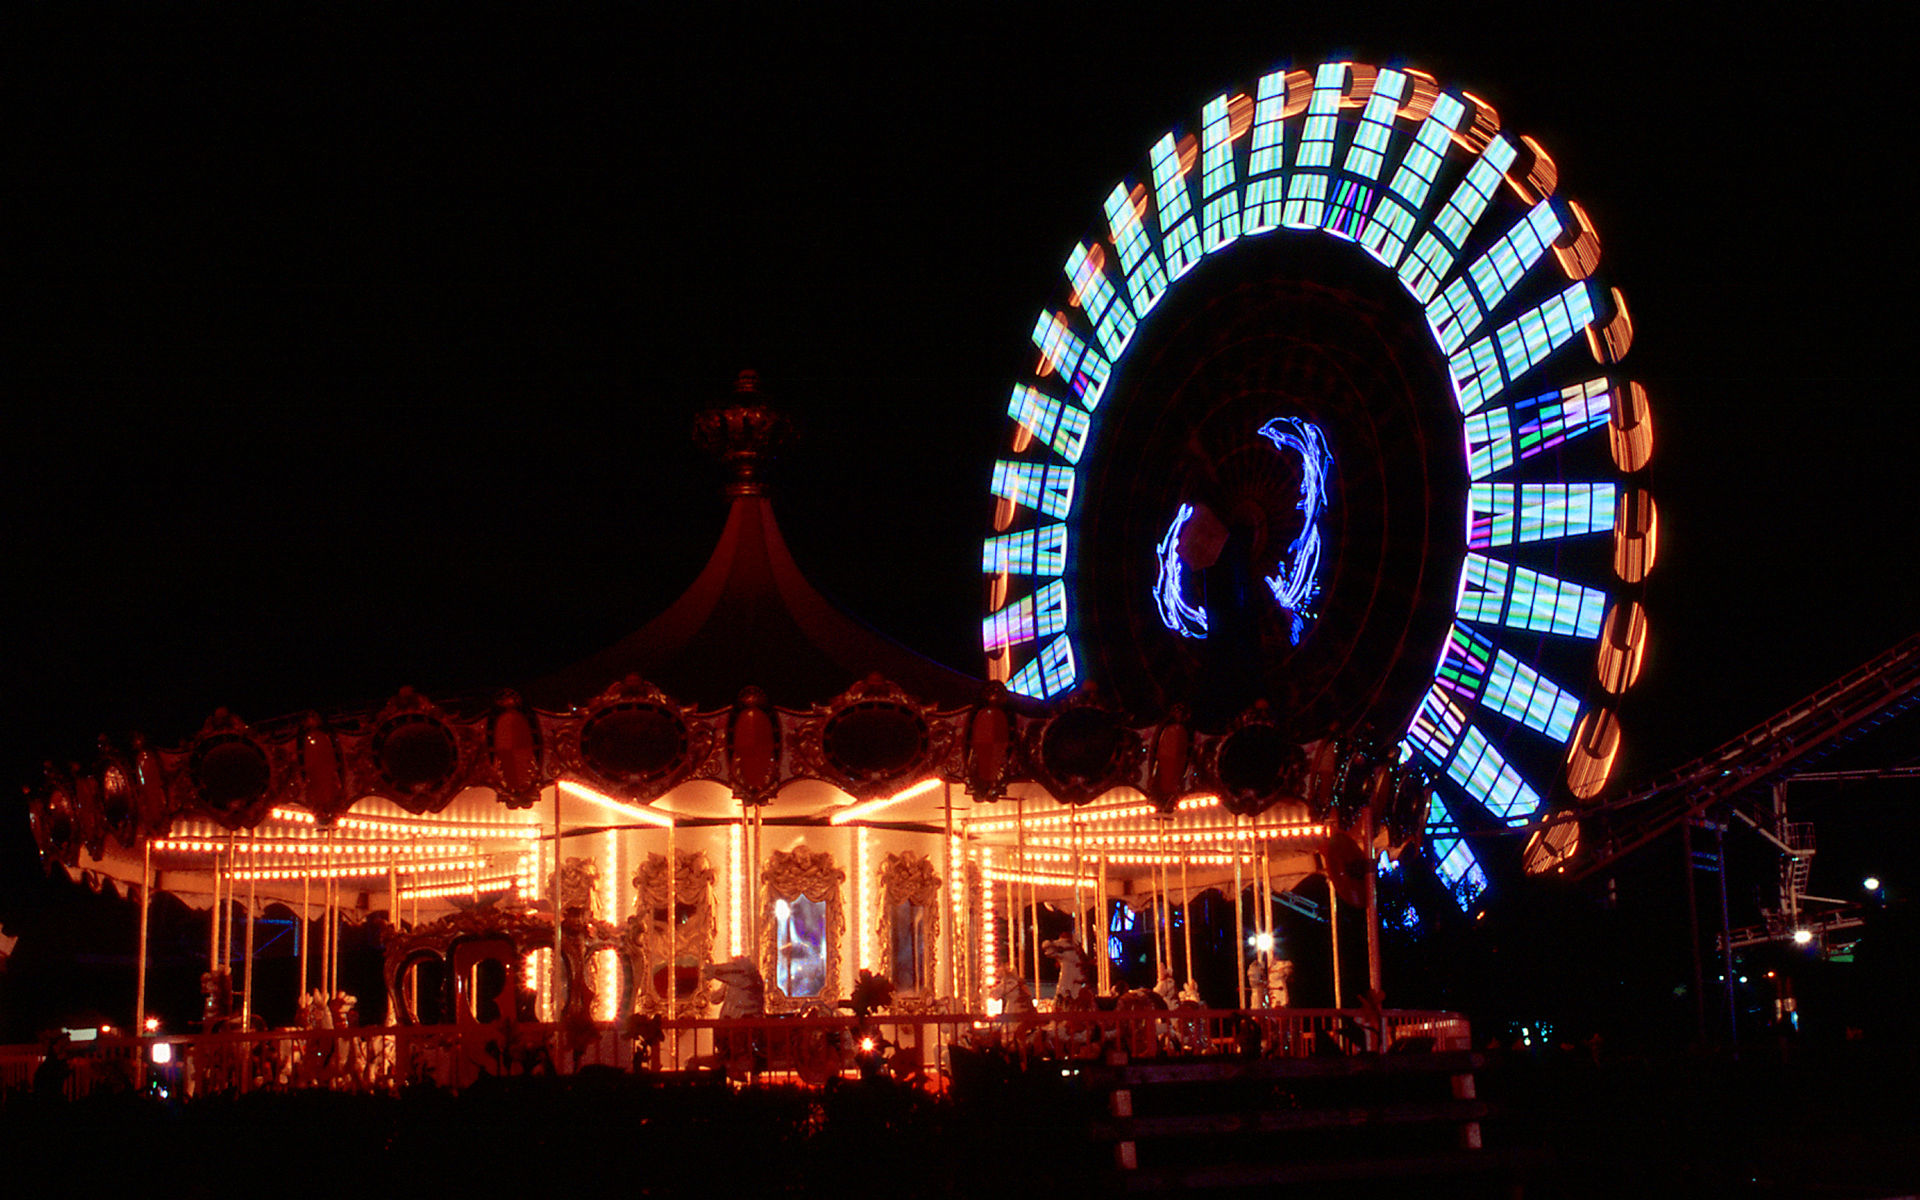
(1328,413)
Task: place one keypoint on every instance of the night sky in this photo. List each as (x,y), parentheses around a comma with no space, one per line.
(359,348)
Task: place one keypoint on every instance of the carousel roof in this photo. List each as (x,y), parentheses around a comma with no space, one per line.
(751,618)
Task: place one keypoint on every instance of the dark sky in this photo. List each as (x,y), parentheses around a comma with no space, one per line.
(359,348)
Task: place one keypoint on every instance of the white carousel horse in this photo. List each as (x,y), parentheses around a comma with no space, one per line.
(743,995)
(1073,972)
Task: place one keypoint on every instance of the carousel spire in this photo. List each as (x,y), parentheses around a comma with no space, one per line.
(745,434)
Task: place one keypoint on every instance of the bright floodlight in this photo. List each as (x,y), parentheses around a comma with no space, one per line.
(1871,883)
(1802,936)
(1263,942)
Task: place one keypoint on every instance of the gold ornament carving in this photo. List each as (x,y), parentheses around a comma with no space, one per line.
(654,944)
(909,877)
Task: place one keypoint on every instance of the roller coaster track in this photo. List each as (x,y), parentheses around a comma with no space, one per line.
(1794,738)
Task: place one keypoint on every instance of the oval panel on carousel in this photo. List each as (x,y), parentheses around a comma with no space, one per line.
(1085,751)
(638,746)
(874,740)
(231,775)
(417,757)
(1256,765)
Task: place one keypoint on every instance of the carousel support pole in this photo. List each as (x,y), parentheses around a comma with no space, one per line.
(954,941)
(759,905)
(1239,920)
(306,919)
(557,974)
(333,922)
(213,913)
(233,870)
(1165,888)
(1374,981)
(140,964)
(1333,929)
(1100,933)
(253,903)
(1186,917)
(1033,898)
(673,940)
(1079,908)
(1266,898)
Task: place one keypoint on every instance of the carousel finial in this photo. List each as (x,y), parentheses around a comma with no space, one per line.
(744,433)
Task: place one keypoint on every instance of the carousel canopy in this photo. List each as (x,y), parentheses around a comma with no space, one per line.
(751,618)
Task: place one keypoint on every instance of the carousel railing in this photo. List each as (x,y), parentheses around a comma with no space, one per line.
(915,1048)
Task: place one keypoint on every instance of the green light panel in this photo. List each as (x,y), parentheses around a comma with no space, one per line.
(1040,486)
(1518,691)
(1505,514)
(1051,673)
(1497,593)
(1269,128)
(1179,233)
(1393,219)
(1463,664)
(1084,369)
(1423,270)
(1483,370)
(1042,614)
(1062,426)
(1368,153)
(1507,261)
(1041,552)
(1307,187)
(1220,220)
(1456,313)
(1112,319)
(1483,773)
(1146,281)
(1453,862)
(1542,422)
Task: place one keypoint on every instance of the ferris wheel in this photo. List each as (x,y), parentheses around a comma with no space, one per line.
(1328,412)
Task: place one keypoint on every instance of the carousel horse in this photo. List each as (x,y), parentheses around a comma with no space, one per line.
(1071,992)
(1011,991)
(1165,987)
(742,995)
(1141,1038)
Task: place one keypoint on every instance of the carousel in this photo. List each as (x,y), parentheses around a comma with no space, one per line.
(909,822)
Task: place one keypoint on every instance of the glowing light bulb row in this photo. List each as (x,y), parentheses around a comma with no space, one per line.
(736,887)
(283,846)
(607,964)
(1111,811)
(989,948)
(468,887)
(1011,876)
(957,893)
(415,826)
(353,870)
(1228,833)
